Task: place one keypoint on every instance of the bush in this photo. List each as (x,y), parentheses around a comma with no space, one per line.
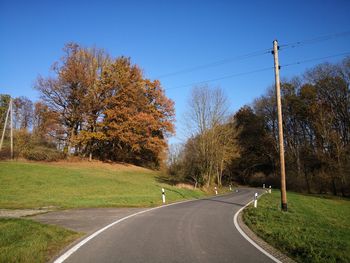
(5,153)
(40,153)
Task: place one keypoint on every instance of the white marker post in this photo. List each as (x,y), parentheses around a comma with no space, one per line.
(263,186)
(270,189)
(230,188)
(216,190)
(163,195)
(256,200)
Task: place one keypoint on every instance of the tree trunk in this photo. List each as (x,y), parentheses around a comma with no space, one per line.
(342,188)
(208,182)
(71,139)
(334,188)
(298,163)
(307,182)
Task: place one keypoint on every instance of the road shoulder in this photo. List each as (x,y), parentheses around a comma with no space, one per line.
(86,220)
(260,242)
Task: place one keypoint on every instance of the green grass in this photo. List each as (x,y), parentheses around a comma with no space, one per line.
(33,185)
(314,229)
(69,185)
(27,241)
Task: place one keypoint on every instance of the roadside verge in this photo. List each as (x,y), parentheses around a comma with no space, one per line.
(256,241)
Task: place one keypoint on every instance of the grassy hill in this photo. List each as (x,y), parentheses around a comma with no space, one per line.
(69,185)
(315,229)
(83,184)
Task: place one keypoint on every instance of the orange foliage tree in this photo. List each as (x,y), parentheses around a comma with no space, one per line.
(107,108)
(138,115)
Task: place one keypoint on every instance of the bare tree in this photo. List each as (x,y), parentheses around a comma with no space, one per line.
(207,108)
(207,111)
(23,113)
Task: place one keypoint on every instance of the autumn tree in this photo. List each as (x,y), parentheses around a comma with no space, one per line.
(139,117)
(74,92)
(106,108)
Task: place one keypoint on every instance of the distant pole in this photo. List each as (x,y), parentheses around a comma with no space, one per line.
(5,125)
(280,127)
(11,127)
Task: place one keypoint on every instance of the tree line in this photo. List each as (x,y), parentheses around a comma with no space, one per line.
(243,147)
(96,106)
(99,107)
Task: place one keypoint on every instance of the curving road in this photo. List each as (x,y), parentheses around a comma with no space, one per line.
(195,231)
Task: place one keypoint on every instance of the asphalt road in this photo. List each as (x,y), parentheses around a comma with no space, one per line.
(195,231)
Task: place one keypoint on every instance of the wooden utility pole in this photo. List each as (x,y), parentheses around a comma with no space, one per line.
(11,126)
(5,125)
(280,127)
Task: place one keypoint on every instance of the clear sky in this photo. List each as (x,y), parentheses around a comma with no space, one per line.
(167,36)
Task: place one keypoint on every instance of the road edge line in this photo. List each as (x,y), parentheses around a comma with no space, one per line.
(70,251)
(73,249)
(235,222)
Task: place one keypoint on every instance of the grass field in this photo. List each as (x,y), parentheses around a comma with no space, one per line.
(314,229)
(71,185)
(27,241)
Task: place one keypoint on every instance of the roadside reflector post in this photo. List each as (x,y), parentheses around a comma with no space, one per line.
(163,195)
(270,189)
(256,200)
(263,186)
(230,188)
(216,190)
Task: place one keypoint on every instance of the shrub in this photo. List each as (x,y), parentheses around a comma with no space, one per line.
(5,153)
(40,153)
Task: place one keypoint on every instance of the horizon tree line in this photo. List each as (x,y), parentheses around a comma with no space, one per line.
(99,107)
(316,123)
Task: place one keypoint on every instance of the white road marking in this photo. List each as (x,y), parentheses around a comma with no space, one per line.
(248,238)
(68,253)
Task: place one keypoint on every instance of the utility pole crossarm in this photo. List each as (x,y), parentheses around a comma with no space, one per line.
(280,127)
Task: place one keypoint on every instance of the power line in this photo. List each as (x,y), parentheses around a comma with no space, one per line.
(259,70)
(315,40)
(217,63)
(315,59)
(256,53)
(224,77)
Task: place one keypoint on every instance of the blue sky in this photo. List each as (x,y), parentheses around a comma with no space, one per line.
(167,36)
